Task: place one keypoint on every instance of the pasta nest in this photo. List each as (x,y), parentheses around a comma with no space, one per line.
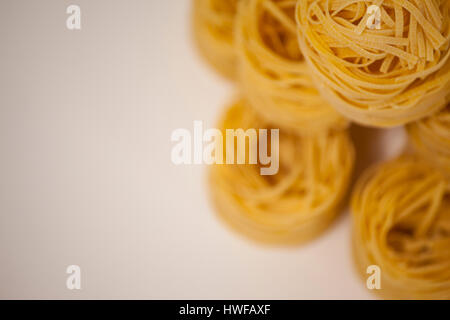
(431,139)
(401,223)
(297,203)
(272,70)
(384,72)
(213,31)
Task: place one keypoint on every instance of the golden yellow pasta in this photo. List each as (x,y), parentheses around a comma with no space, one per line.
(272,71)
(213,31)
(298,202)
(431,139)
(401,222)
(378,72)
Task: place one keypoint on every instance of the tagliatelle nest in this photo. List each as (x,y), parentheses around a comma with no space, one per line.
(431,139)
(401,222)
(213,30)
(272,71)
(383,74)
(298,202)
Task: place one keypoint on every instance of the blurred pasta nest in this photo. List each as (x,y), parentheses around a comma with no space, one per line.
(384,74)
(297,203)
(272,71)
(431,139)
(401,216)
(213,30)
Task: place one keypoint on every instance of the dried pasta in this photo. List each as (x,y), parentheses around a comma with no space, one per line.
(272,71)
(385,74)
(401,223)
(431,138)
(297,203)
(213,30)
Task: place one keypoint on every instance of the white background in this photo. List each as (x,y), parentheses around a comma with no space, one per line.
(86,176)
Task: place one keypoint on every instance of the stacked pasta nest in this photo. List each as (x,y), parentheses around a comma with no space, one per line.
(311,67)
(213,31)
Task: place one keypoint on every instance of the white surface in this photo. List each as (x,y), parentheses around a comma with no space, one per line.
(86,176)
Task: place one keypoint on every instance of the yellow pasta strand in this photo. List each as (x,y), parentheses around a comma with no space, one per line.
(272,71)
(213,30)
(431,139)
(401,223)
(297,203)
(382,77)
